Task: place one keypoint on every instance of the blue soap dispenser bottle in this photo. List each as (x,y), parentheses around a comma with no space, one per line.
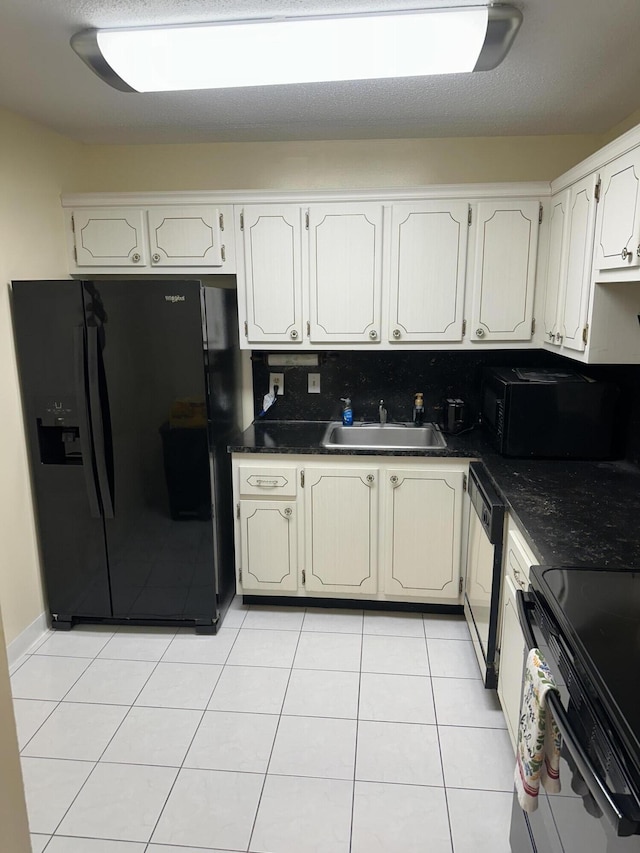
(347,412)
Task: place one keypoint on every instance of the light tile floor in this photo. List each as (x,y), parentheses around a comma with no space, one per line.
(292,731)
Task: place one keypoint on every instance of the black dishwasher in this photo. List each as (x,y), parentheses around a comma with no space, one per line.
(484,567)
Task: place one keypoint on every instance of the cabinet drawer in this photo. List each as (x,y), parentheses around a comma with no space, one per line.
(271,482)
(518,560)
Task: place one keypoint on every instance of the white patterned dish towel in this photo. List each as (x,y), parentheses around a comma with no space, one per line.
(539,741)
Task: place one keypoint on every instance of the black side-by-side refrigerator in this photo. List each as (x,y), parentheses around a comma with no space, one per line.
(129,392)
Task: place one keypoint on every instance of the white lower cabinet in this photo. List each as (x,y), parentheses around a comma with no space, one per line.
(423,527)
(340,529)
(268,543)
(517,562)
(350,527)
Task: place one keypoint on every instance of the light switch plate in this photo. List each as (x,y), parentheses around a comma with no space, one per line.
(314,383)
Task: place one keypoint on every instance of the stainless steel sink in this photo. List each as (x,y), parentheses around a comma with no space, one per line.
(400,436)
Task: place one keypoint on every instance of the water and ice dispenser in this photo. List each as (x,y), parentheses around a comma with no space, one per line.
(59,433)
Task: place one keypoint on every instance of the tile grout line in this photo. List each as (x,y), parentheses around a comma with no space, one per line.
(355,752)
(273,744)
(197,729)
(444,781)
(103,751)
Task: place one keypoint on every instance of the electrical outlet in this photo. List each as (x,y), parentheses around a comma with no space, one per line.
(277,379)
(313,386)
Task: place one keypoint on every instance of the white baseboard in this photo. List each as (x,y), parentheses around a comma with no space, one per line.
(28,638)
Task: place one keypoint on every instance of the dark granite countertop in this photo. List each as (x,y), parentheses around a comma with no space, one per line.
(571,512)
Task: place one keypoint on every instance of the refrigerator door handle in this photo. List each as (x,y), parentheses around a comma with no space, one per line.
(86,445)
(95,407)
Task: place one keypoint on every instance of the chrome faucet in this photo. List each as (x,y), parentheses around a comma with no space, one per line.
(382,412)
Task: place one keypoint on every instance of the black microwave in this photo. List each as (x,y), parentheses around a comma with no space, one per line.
(548,412)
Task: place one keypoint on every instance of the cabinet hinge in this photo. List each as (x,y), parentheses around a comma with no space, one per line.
(75,254)
(302,479)
(246,329)
(221,221)
(73,223)
(596,192)
(306,220)
(242,221)
(540,209)
(304,577)
(533,325)
(240,575)
(223,253)
(460,586)
(464,482)
(469,216)
(237,510)
(308,329)
(585,334)
(464,328)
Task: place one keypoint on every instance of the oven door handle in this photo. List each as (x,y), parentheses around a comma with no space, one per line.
(624,825)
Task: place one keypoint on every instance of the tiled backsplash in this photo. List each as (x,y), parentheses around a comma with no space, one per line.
(368,377)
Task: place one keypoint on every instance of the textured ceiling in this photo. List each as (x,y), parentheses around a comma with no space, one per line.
(574,68)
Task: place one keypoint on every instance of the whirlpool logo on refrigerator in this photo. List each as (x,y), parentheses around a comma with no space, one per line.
(175,298)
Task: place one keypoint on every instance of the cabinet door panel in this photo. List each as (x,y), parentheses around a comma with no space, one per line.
(619,215)
(582,211)
(423,525)
(512,657)
(184,236)
(273,273)
(341,507)
(555,266)
(504,270)
(345,272)
(268,545)
(110,237)
(428,268)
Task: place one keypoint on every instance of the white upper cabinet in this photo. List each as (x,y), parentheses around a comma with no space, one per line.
(617,244)
(571,231)
(555,267)
(345,272)
(428,256)
(579,251)
(186,236)
(504,266)
(109,237)
(272,281)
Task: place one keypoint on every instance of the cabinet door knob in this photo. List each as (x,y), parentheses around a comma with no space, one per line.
(288,512)
(550,335)
(294,334)
(373,334)
(155,258)
(370,479)
(626,254)
(479,333)
(397,334)
(393,479)
(135,257)
(559,337)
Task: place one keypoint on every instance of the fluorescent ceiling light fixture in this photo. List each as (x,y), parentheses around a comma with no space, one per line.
(300,50)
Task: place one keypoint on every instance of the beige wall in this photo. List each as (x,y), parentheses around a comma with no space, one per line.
(34,164)
(13,814)
(327,165)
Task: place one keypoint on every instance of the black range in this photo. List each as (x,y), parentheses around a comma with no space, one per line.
(586,621)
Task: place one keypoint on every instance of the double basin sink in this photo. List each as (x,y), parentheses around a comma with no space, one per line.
(396,436)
